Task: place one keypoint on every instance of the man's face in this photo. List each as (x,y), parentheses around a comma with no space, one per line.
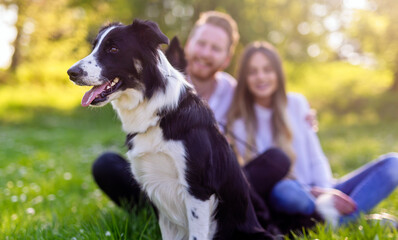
(207,52)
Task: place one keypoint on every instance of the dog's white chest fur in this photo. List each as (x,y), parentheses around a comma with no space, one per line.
(159,167)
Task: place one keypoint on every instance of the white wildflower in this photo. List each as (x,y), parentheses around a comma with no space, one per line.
(67,176)
(30,211)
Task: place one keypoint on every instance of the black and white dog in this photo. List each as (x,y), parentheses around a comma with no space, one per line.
(177,154)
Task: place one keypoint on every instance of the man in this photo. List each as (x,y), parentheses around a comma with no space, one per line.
(209,49)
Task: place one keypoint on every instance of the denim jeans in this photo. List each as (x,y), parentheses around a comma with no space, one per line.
(367,186)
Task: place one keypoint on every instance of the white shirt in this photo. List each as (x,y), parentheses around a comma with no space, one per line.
(311,167)
(221,98)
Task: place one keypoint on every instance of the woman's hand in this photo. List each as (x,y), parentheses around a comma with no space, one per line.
(342,202)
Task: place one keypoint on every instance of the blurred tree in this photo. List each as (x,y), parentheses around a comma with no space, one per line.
(50,32)
(376,29)
(59,31)
(21,6)
(47,31)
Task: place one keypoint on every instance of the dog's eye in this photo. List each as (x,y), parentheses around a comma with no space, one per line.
(113,50)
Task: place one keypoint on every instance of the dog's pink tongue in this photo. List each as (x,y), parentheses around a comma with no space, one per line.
(90,95)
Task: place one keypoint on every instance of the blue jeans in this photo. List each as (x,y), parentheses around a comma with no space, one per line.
(367,186)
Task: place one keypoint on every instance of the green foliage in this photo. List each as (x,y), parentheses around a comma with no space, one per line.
(336,82)
(376,31)
(376,34)
(55,32)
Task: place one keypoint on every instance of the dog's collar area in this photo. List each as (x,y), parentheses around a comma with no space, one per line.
(130,137)
(161,113)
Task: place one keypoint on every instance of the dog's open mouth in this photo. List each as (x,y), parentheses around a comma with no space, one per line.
(99,93)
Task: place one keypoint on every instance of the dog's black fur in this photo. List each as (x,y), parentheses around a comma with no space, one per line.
(176,56)
(130,53)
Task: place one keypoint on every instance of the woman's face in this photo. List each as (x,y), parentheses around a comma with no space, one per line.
(262,79)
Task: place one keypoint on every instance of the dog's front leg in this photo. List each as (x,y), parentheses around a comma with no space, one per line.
(169,230)
(199,213)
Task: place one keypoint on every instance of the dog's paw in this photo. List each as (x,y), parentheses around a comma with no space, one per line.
(325,207)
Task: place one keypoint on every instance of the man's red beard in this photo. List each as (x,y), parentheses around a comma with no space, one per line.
(201,69)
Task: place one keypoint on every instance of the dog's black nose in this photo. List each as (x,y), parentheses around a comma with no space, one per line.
(75,72)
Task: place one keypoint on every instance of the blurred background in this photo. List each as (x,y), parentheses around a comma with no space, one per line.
(333,41)
(40,37)
(341,54)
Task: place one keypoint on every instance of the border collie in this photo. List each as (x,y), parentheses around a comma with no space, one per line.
(177,154)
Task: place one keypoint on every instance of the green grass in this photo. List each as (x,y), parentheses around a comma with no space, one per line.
(48,143)
(47,190)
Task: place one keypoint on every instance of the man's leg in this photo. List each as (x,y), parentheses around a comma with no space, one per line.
(113,175)
(264,171)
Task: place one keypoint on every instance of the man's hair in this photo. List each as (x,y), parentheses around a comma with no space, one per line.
(223,21)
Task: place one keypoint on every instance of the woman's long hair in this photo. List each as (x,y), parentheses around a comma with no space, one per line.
(243,104)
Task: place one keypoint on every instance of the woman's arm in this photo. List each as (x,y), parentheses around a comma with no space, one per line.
(320,172)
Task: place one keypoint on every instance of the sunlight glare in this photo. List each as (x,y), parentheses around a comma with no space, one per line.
(356,4)
(8,17)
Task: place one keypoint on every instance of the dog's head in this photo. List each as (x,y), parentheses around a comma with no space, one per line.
(123,57)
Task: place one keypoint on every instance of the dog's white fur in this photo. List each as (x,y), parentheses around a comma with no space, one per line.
(90,65)
(138,115)
(159,165)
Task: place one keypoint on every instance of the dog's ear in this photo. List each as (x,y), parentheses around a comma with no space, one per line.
(149,37)
(149,33)
(175,54)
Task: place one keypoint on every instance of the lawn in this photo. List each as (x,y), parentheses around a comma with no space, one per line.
(48,143)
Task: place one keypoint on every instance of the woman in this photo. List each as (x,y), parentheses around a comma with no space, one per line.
(264,116)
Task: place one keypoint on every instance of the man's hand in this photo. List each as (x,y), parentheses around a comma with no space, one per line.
(311,119)
(342,202)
